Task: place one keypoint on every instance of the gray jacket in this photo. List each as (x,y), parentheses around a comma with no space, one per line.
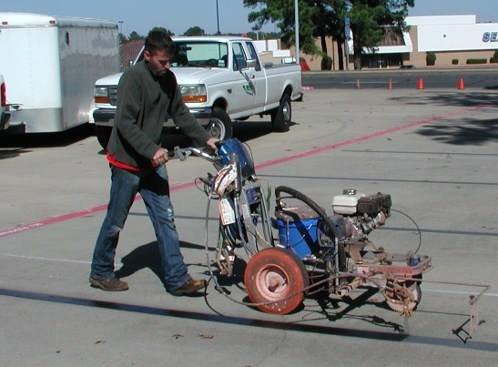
(144,103)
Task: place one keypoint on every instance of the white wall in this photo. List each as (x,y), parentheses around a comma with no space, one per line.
(481,36)
(454,33)
(265,45)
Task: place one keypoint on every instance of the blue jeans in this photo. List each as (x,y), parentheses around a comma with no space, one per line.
(154,189)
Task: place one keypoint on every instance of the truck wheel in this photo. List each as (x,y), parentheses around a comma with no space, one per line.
(282,115)
(103,133)
(276,280)
(220,125)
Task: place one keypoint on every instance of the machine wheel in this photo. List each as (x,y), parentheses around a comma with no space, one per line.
(406,299)
(220,124)
(276,275)
(281,117)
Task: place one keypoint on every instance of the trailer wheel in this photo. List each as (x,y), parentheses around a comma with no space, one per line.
(276,278)
(281,117)
(220,124)
(103,133)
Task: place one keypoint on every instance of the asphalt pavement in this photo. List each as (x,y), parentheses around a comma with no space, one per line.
(484,78)
(434,151)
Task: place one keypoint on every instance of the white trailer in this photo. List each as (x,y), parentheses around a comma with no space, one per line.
(50,65)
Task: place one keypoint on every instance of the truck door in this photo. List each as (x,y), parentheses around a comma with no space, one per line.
(256,74)
(243,92)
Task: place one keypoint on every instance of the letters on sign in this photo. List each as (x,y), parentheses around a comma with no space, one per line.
(490,37)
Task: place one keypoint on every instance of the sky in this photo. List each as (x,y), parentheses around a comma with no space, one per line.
(179,15)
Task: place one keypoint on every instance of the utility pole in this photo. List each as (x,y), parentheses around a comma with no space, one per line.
(347,30)
(296,20)
(217,18)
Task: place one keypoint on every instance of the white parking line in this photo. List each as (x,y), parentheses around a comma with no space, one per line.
(50,259)
(458,292)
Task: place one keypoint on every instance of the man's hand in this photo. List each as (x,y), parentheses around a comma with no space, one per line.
(211,142)
(160,157)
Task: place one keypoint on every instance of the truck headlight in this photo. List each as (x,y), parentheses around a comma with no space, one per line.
(193,93)
(102,95)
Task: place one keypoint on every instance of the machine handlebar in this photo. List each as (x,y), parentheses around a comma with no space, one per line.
(183,153)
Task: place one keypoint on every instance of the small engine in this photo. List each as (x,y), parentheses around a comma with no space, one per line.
(356,214)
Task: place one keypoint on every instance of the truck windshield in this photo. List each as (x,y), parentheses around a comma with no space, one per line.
(201,54)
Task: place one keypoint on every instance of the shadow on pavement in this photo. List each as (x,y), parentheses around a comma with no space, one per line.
(6,153)
(471,131)
(54,298)
(466,132)
(243,130)
(13,145)
(457,99)
(39,140)
(147,257)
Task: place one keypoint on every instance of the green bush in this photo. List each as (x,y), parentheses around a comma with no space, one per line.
(477,61)
(454,61)
(326,62)
(430,58)
(494,59)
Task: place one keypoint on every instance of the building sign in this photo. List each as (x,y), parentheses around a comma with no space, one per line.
(490,37)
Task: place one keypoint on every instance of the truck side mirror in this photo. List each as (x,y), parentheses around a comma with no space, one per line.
(252,63)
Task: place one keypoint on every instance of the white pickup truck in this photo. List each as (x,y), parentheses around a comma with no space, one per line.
(222,80)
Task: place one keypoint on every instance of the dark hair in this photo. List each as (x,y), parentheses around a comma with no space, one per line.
(159,40)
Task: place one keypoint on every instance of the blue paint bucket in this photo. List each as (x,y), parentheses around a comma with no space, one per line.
(298,236)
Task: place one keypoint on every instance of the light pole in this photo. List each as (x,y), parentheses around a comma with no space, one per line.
(296,20)
(217,18)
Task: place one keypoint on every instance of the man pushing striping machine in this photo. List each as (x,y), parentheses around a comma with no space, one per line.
(315,252)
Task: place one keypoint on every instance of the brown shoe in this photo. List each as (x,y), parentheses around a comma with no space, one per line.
(191,286)
(110,284)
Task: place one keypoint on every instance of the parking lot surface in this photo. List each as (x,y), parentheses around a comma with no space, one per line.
(434,151)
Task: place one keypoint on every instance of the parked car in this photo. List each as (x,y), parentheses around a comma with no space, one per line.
(222,80)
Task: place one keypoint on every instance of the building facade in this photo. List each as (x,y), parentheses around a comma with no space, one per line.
(451,41)
(454,40)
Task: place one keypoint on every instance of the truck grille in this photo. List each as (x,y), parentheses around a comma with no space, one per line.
(113,95)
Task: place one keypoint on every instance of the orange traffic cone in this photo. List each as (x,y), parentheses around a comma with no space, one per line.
(461,84)
(390,84)
(420,83)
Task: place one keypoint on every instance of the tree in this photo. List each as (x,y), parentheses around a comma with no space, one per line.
(317,19)
(162,29)
(134,36)
(329,21)
(195,31)
(281,12)
(368,17)
(323,18)
(122,38)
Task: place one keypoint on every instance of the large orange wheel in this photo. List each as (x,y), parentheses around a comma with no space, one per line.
(276,278)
